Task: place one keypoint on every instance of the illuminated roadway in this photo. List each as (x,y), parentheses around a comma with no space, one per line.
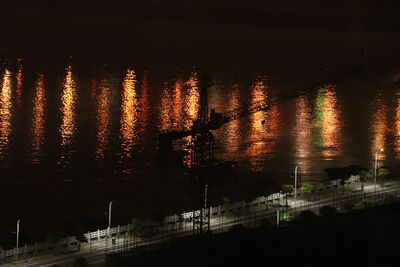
(94,251)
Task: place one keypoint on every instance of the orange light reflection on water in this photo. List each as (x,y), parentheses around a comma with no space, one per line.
(68,99)
(303,134)
(128,112)
(103,106)
(264,126)
(192,99)
(177,103)
(397,126)
(328,123)
(191,104)
(379,129)
(233,127)
(39,105)
(144,102)
(5,113)
(18,91)
(179,107)
(166,120)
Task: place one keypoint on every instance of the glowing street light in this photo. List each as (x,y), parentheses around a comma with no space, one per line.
(376,161)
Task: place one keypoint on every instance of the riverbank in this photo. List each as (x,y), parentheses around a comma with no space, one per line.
(360,238)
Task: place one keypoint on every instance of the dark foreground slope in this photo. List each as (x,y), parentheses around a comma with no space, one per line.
(360,238)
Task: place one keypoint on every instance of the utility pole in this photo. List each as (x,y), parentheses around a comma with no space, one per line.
(201,218)
(202,155)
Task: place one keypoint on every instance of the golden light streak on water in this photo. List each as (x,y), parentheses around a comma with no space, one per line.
(171,106)
(144,103)
(258,93)
(192,99)
(303,135)
(332,128)
(38,122)
(128,113)
(102,116)
(328,123)
(177,103)
(191,108)
(191,105)
(179,106)
(379,129)
(272,131)
(5,113)
(264,126)
(397,126)
(18,91)
(166,120)
(256,141)
(68,99)
(233,128)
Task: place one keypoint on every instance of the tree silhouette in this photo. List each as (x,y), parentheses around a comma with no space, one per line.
(307,188)
(343,174)
(287,189)
(382,172)
(364,176)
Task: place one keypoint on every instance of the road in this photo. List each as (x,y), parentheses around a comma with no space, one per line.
(94,252)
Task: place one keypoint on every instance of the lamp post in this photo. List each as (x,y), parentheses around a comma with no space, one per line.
(277,217)
(376,162)
(16,256)
(295,184)
(109,224)
(109,218)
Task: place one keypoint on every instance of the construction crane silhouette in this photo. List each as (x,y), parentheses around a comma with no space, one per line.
(201,141)
(201,144)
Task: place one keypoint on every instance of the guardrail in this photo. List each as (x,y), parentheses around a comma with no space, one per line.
(173,219)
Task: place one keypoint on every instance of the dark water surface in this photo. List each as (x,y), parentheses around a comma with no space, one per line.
(74,136)
(72,125)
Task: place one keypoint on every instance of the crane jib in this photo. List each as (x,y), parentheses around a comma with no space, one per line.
(215,120)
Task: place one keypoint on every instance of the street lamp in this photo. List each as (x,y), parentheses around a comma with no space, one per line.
(277,217)
(376,161)
(16,256)
(109,218)
(295,184)
(109,223)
